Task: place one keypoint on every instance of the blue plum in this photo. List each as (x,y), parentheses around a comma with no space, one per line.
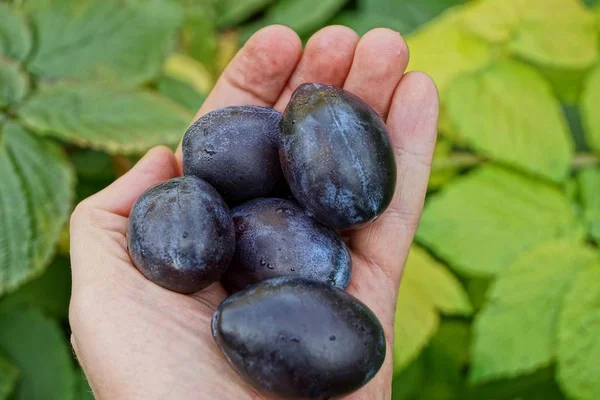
(235,150)
(300,339)
(181,234)
(336,156)
(276,237)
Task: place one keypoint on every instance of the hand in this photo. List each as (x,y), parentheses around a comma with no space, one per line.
(136,340)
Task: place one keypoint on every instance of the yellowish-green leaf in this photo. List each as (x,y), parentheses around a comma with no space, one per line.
(443,170)
(554,33)
(35,202)
(108,118)
(515,332)
(236,11)
(508,113)
(14,84)
(578,333)
(416,321)
(180,92)
(38,347)
(481,223)
(186,69)
(9,374)
(15,37)
(107,39)
(589,109)
(458,53)
(433,279)
(427,289)
(589,193)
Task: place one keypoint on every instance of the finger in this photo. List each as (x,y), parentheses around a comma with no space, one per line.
(379,62)
(412,124)
(327,59)
(258,72)
(156,166)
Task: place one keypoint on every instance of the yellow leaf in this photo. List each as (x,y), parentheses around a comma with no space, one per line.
(188,70)
(444,49)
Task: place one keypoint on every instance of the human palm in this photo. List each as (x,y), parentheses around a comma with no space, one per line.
(137,340)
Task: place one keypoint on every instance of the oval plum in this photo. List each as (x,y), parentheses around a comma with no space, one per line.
(300,339)
(235,150)
(276,237)
(336,156)
(181,234)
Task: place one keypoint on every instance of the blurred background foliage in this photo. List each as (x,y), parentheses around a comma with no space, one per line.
(501,294)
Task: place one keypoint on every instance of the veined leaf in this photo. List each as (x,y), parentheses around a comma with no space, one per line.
(109,39)
(409,14)
(553,33)
(108,118)
(481,223)
(14,84)
(38,348)
(50,292)
(508,113)
(35,200)
(235,11)
(589,109)
(578,333)
(9,374)
(515,332)
(427,288)
(15,37)
(458,53)
(589,192)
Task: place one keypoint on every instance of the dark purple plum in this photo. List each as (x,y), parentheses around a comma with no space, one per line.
(235,150)
(276,237)
(181,234)
(300,339)
(336,156)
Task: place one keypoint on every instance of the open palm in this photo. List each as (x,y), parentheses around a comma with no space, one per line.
(136,340)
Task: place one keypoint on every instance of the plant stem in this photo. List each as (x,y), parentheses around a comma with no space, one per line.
(462,160)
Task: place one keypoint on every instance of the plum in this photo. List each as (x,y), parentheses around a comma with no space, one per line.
(276,237)
(181,234)
(300,339)
(336,156)
(235,150)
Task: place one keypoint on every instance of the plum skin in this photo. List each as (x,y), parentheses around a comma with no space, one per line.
(276,237)
(300,339)
(336,156)
(235,149)
(181,234)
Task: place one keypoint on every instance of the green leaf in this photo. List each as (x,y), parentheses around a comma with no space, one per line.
(427,289)
(82,388)
(35,200)
(50,292)
(108,118)
(362,22)
(536,31)
(508,113)
(407,381)
(14,84)
(106,40)
(442,170)
(438,284)
(180,92)
(578,332)
(589,109)
(15,37)
(39,349)
(589,192)
(9,374)
(515,332)
(303,16)
(482,222)
(233,12)
(409,14)
(459,53)
(539,385)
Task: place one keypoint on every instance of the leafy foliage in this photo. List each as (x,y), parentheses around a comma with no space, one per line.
(8,377)
(14,84)
(589,183)
(589,109)
(15,37)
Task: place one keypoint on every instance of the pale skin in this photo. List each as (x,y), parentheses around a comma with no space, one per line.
(136,340)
